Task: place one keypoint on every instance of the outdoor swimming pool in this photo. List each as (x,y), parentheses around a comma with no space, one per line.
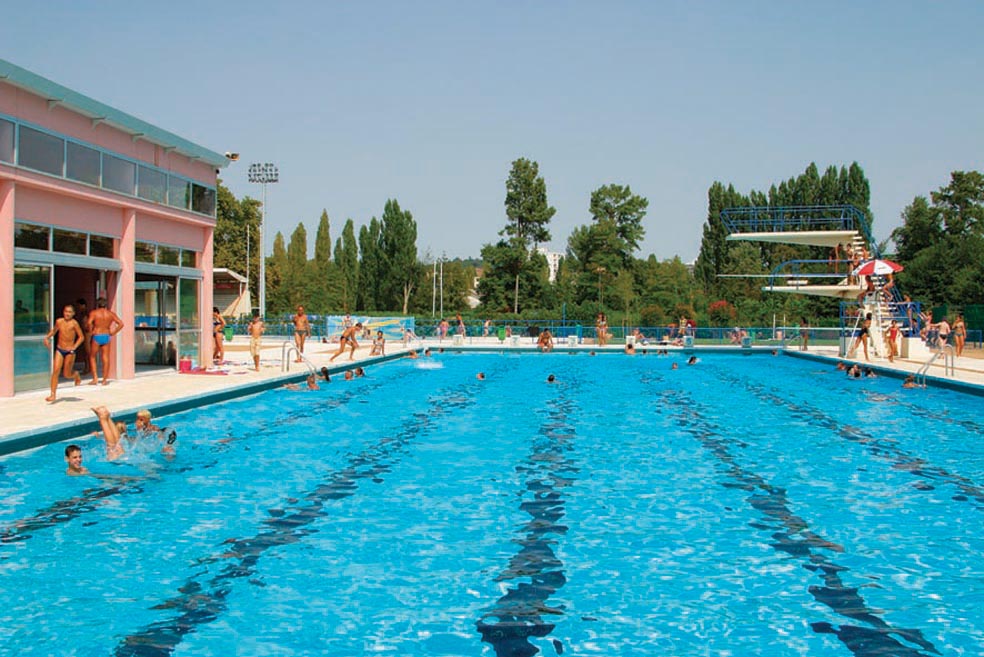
(748,505)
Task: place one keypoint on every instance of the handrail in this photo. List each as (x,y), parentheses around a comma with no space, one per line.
(949,363)
(285,351)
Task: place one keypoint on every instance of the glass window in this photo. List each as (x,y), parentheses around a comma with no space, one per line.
(203,200)
(188,258)
(145,252)
(119,175)
(41,151)
(152,185)
(28,236)
(177,192)
(188,300)
(68,241)
(6,141)
(101,246)
(32,299)
(167,255)
(82,163)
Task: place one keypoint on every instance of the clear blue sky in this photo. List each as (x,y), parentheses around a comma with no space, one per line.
(430,102)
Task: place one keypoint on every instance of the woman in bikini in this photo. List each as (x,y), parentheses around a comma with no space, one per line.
(70,336)
(959,333)
(218,333)
(862,338)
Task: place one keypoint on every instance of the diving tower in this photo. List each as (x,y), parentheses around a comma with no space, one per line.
(846,232)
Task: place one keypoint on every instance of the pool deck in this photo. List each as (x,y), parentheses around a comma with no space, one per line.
(30,421)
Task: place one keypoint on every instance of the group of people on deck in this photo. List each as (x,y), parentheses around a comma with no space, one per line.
(99,325)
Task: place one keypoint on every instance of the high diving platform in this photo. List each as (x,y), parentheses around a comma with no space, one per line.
(845,232)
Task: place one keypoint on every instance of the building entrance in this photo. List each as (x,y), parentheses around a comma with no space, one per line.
(155,322)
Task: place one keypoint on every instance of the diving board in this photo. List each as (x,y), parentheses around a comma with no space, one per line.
(828,238)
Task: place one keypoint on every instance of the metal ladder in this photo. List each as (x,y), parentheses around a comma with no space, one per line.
(949,364)
(286,348)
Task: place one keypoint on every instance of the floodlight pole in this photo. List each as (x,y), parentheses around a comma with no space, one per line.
(263,173)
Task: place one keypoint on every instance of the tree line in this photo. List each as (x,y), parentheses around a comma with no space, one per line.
(377,269)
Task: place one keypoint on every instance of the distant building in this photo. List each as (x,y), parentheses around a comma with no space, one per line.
(553,261)
(230,293)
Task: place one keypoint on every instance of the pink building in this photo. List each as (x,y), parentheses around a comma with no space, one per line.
(97,203)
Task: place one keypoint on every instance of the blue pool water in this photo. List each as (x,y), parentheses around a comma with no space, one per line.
(743,506)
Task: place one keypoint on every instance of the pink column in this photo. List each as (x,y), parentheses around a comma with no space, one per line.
(125,292)
(7,287)
(207,345)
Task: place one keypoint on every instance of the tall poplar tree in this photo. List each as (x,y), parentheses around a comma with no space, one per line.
(297,275)
(276,270)
(400,271)
(347,261)
(323,270)
(370,266)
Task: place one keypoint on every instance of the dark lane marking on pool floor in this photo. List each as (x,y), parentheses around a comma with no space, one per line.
(200,604)
(520,611)
(92,499)
(879,447)
(793,537)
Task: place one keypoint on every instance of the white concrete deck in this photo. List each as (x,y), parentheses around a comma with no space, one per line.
(27,414)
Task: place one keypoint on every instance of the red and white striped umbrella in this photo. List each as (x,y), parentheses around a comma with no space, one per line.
(877,268)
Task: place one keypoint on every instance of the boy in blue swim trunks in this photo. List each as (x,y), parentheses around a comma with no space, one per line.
(103,324)
(70,336)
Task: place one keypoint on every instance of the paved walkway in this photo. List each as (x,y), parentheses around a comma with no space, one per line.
(27,415)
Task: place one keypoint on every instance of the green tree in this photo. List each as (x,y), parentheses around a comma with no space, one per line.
(296,279)
(400,269)
(347,261)
(237,236)
(370,266)
(618,206)
(278,299)
(961,204)
(528,214)
(327,284)
(941,245)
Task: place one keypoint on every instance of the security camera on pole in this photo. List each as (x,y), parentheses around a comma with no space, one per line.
(263,174)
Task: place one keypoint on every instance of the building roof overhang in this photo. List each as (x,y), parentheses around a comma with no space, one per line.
(57,95)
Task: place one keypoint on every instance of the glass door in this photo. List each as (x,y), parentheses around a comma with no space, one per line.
(155,319)
(32,320)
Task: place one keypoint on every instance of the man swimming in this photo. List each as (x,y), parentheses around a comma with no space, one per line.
(73,457)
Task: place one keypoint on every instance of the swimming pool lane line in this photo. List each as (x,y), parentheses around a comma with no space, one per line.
(880,448)
(771,502)
(520,611)
(91,500)
(202,603)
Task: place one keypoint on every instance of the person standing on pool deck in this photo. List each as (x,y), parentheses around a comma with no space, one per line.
(348,338)
(70,336)
(255,330)
(103,324)
(218,335)
(302,329)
